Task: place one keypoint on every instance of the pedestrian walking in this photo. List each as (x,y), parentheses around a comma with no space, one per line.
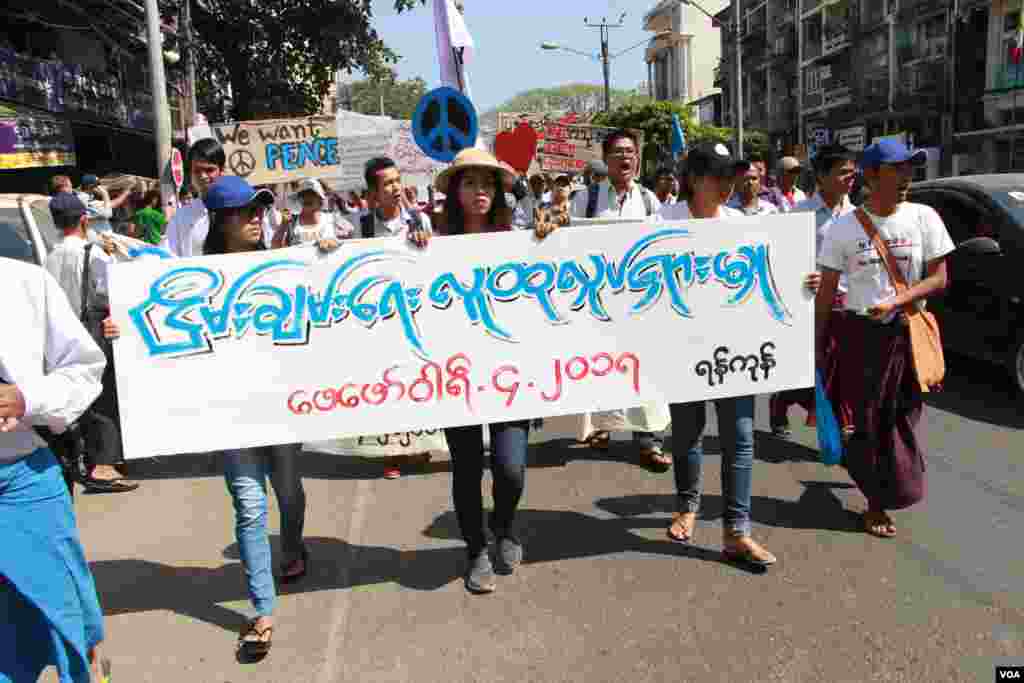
(666,188)
(81,269)
(892,253)
(473,185)
(312,223)
(150,222)
(393,214)
(711,172)
(746,199)
(187,231)
(236,226)
(621,196)
(836,169)
(49,374)
(786,195)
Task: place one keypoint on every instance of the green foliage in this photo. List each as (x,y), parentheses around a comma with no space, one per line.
(279,56)
(578,97)
(400,97)
(655,120)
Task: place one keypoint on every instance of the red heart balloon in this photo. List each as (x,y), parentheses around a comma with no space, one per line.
(517,147)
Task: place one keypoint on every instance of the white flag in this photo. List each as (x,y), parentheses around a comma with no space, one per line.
(454,45)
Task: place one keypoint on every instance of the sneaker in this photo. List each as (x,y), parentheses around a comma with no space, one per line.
(509,555)
(392,473)
(480,576)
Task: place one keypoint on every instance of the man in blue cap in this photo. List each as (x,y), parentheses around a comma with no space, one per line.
(80,268)
(877,383)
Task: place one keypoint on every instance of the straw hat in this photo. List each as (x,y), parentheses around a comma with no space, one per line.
(473,158)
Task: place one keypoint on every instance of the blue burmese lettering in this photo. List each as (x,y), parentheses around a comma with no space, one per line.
(188,309)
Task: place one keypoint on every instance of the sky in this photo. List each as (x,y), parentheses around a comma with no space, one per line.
(508,33)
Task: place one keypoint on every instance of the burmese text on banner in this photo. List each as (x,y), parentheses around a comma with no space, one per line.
(379,337)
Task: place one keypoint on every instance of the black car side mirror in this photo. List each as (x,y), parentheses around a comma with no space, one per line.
(980,246)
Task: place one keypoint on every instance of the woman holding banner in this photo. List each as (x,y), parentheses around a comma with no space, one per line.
(236,226)
(472,185)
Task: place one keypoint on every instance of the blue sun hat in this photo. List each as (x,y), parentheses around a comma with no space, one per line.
(233,192)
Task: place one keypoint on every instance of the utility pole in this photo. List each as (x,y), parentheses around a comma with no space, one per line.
(739,85)
(161,109)
(603,26)
(190,63)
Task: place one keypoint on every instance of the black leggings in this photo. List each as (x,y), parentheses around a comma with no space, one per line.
(508,469)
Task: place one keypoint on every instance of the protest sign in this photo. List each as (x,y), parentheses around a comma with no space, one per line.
(379,337)
(562,147)
(281,150)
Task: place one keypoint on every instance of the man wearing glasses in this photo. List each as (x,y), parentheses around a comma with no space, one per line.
(620,195)
(787,195)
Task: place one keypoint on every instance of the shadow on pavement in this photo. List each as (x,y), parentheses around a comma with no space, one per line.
(817,508)
(978,391)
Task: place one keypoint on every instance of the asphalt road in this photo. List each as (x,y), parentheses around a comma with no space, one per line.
(602,595)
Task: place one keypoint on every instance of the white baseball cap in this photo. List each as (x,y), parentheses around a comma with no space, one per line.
(310,185)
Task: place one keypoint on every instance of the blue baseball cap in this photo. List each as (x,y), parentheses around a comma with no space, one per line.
(890,152)
(233,192)
(66,205)
(89,180)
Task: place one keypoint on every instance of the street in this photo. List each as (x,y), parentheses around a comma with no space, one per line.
(602,596)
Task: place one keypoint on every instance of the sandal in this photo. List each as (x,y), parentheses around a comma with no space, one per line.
(298,576)
(656,459)
(681,528)
(878,524)
(254,643)
(746,550)
(599,440)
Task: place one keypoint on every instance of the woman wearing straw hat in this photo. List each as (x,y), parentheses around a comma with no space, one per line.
(474,185)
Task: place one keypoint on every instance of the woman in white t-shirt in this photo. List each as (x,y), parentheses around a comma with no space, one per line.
(312,223)
(885,455)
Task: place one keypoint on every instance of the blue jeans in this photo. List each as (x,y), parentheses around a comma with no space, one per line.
(736,434)
(508,470)
(246,471)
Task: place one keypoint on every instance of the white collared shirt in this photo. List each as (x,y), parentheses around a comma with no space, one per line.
(824,218)
(760,208)
(782,202)
(396,227)
(610,205)
(52,358)
(66,263)
(187,230)
(680,211)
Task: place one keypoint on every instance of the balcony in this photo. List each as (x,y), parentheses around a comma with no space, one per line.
(836,38)
(837,96)
(1008,77)
(785,13)
(75,91)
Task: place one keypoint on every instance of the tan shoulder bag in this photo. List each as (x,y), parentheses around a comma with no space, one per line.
(925,340)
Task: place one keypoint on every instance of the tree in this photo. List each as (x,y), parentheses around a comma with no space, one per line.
(400,97)
(655,120)
(279,56)
(582,98)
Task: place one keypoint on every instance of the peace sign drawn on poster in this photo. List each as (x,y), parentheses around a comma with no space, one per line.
(444,124)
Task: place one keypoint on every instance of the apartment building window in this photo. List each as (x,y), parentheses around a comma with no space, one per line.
(816,79)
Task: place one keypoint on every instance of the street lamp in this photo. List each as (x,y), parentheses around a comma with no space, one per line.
(604,57)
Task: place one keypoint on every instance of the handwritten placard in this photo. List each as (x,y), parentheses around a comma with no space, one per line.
(281,150)
(378,337)
(563,145)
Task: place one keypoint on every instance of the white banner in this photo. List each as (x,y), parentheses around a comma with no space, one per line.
(378,337)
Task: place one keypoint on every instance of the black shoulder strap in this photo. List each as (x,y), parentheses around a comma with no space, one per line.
(648,204)
(366,224)
(87,288)
(593,192)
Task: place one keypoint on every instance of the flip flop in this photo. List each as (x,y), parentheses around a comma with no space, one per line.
(886,526)
(599,441)
(677,521)
(254,643)
(292,578)
(656,459)
(749,556)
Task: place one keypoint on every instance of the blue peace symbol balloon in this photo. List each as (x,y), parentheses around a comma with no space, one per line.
(444,124)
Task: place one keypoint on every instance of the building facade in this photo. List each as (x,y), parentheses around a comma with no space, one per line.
(853,71)
(682,57)
(75,93)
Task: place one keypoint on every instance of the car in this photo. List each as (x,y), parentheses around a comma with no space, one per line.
(981,314)
(27,232)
